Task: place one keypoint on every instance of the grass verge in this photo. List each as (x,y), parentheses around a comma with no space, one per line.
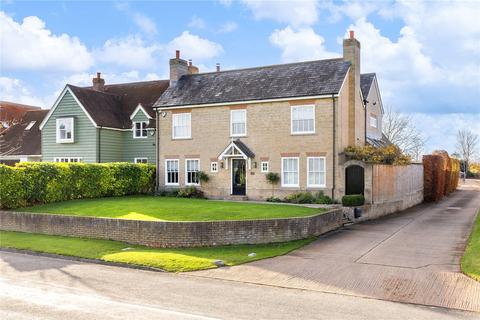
(171,209)
(471,258)
(173,260)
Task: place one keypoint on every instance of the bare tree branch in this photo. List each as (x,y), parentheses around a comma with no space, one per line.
(467,144)
(401,131)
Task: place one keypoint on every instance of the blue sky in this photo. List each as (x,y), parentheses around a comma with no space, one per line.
(426,54)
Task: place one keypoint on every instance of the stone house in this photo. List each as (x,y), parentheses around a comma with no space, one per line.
(238,125)
(102,123)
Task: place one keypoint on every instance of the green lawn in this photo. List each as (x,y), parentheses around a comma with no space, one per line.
(471,258)
(173,260)
(171,209)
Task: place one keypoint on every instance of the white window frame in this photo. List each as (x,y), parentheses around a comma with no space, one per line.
(298,172)
(324,171)
(186,172)
(57,129)
(143,128)
(166,172)
(262,170)
(174,116)
(30,125)
(373,121)
(244,111)
(214,166)
(67,159)
(136,160)
(291,119)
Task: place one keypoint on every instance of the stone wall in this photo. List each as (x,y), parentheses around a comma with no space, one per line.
(174,234)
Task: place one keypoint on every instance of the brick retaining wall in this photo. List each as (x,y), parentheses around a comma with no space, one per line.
(174,234)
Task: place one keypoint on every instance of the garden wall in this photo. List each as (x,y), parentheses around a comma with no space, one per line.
(174,234)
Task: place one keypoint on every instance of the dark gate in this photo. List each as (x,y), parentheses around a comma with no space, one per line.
(354,180)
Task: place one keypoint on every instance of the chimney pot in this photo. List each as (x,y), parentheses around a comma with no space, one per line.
(98,75)
(218,67)
(352,34)
(189,62)
(177,54)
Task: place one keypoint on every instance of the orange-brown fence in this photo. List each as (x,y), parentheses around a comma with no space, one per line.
(440,174)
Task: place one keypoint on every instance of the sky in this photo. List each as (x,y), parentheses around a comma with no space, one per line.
(426,54)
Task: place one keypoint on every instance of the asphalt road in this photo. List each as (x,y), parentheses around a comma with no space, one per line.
(34,287)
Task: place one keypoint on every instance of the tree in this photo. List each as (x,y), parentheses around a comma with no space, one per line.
(401,131)
(273,178)
(467,143)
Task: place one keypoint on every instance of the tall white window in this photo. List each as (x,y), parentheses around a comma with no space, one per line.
(171,172)
(140,129)
(65,130)
(373,121)
(316,172)
(303,119)
(238,122)
(289,172)
(182,126)
(192,166)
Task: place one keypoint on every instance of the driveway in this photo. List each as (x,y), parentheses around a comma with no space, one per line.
(410,257)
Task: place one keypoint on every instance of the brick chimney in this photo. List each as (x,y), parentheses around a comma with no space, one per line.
(178,68)
(191,68)
(98,83)
(356,127)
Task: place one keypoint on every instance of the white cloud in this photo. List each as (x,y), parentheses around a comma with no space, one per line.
(228,27)
(441,129)
(15,90)
(226,3)
(194,47)
(31,46)
(145,24)
(293,12)
(300,45)
(129,52)
(197,23)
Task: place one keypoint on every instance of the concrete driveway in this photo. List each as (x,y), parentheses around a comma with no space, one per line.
(410,257)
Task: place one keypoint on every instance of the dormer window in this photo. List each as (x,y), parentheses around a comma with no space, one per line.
(65,130)
(30,125)
(140,129)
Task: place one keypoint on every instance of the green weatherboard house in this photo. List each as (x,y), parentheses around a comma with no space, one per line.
(103,123)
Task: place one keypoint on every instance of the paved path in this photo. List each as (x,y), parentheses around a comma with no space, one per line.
(34,287)
(410,257)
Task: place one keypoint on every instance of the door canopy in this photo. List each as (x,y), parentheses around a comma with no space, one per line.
(237,149)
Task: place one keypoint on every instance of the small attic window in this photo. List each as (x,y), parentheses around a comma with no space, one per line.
(30,125)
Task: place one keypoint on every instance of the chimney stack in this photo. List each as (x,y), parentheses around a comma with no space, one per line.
(178,68)
(98,82)
(356,112)
(218,67)
(191,68)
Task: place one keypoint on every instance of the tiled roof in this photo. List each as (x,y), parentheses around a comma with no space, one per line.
(366,80)
(113,106)
(243,147)
(17,141)
(301,79)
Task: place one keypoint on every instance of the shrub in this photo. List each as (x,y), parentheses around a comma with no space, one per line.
(169,193)
(390,154)
(323,199)
(300,197)
(272,178)
(353,200)
(32,183)
(190,192)
(273,199)
(203,177)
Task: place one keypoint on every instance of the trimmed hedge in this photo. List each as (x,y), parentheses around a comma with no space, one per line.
(441,175)
(37,182)
(353,200)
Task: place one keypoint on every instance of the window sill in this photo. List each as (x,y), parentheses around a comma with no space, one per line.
(303,134)
(62,142)
(140,137)
(238,136)
(190,138)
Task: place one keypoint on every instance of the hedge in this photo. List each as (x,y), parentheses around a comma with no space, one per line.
(353,200)
(37,182)
(441,175)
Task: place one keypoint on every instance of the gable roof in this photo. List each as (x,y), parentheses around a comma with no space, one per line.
(17,141)
(302,79)
(113,106)
(366,81)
